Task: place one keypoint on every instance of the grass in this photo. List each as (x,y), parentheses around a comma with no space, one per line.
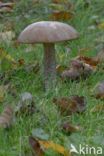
(49,117)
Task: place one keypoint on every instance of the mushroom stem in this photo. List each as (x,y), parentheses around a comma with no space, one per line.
(49,65)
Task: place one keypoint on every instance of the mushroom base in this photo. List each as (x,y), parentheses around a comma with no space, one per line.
(49,65)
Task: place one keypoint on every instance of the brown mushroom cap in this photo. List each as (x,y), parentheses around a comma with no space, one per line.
(47,32)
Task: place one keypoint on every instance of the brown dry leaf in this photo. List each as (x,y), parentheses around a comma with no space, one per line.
(78,70)
(98,90)
(9,4)
(91,61)
(71,74)
(6,7)
(82,67)
(6,117)
(78,103)
(69,128)
(74,104)
(36,147)
(98,108)
(61,15)
(74,73)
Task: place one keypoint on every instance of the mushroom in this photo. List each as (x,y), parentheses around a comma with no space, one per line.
(48,33)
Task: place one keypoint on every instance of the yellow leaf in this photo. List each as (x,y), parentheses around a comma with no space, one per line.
(56,147)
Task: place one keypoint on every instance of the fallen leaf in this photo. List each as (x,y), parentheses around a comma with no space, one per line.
(91,61)
(56,147)
(6,7)
(71,74)
(70,105)
(9,4)
(69,128)
(78,70)
(82,67)
(6,117)
(39,147)
(98,90)
(75,71)
(36,147)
